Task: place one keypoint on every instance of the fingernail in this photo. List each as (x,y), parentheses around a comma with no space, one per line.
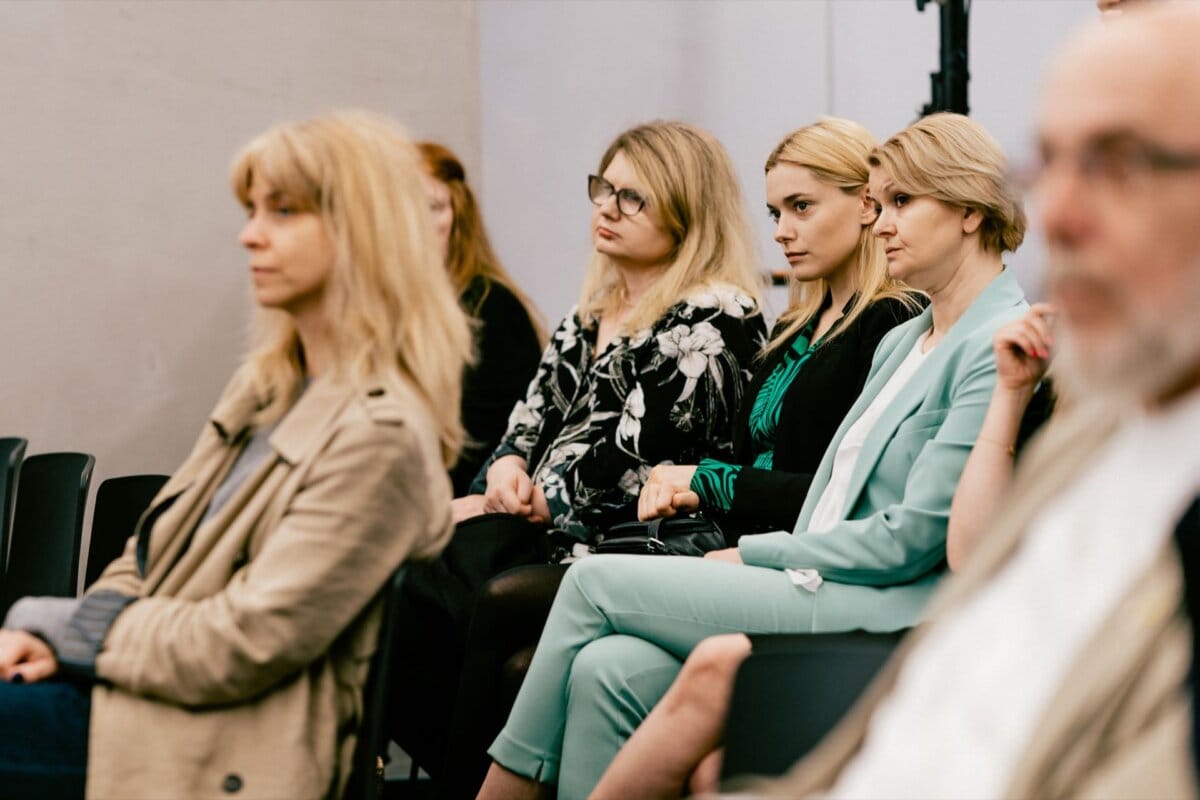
(16,677)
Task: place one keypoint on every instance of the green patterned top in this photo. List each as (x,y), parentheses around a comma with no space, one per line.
(715,481)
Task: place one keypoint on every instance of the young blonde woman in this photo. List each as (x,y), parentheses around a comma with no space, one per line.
(224,651)
(843,302)
(508,334)
(649,368)
(869,544)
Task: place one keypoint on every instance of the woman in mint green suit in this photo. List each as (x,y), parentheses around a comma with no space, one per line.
(869,544)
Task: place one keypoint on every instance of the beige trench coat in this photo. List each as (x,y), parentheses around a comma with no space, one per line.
(239,671)
(1119,725)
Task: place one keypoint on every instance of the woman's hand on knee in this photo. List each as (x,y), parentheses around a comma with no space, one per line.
(24,658)
(466,507)
(541,509)
(729,554)
(667,491)
(509,487)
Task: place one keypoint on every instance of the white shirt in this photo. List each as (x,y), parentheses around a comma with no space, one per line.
(970,697)
(830,507)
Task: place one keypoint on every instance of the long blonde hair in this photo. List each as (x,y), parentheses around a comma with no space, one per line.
(836,151)
(954,159)
(392,312)
(690,182)
(469,254)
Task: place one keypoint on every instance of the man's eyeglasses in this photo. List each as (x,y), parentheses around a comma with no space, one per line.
(629,202)
(1118,162)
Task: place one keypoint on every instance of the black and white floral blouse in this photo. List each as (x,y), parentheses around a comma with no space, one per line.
(591,427)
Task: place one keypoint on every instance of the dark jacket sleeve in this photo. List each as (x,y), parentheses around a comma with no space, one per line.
(1040,407)
(813,409)
(507,355)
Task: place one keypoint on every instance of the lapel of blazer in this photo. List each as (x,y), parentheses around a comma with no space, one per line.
(888,355)
(1001,294)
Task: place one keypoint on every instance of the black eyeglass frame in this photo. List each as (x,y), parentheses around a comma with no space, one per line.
(599,190)
(1140,157)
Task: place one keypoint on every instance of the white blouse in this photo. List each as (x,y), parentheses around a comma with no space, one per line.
(831,507)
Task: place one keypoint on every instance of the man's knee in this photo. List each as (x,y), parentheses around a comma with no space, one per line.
(708,673)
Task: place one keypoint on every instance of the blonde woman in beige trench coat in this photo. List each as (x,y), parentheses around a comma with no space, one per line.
(224,653)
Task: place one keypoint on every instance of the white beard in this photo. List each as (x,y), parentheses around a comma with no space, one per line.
(1154,349)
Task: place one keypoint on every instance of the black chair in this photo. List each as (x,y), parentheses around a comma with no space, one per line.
(366,780)
(12,451)
(791,691)
(119,505)
(47,527)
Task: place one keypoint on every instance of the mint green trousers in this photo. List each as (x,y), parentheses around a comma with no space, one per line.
(617,636)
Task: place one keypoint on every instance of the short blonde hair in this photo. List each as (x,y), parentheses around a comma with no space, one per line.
(954,159)
(690,182)
(836,151)
(392,312)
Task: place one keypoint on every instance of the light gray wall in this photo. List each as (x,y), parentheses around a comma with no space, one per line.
(559,80)
(124,303)
(124,296)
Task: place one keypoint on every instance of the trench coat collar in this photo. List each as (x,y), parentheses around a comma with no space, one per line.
(297,432)
(310,419)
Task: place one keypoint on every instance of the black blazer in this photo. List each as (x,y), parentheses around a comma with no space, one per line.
(507,355)
(813,407)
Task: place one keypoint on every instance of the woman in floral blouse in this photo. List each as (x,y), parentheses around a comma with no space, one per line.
(650,367)
(593,425)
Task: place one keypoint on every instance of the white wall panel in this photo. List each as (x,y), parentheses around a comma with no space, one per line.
(559,79)
(124,295)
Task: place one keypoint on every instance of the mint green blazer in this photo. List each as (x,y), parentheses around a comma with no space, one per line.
(889,551)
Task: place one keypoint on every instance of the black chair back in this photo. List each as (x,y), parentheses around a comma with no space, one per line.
(366,781)
(12,451)
(119,505)
(790,693)
(47,527)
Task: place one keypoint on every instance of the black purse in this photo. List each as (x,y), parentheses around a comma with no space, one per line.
(672,536)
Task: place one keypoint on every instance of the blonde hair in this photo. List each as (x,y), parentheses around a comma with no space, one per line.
(690,182)
(952,158)
(835,151)
(393,315)
(469,254)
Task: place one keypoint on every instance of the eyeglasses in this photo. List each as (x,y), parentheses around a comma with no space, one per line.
(629,202)
(1118,163)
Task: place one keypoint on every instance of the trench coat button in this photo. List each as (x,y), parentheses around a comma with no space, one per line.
(232,783)
(375,393)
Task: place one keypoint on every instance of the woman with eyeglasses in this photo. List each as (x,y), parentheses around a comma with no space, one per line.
(650,367)
(868,546)
(508,334)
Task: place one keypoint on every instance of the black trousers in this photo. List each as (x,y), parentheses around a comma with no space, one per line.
(509,616)
(437,606)
(1187,539)
(43,752)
